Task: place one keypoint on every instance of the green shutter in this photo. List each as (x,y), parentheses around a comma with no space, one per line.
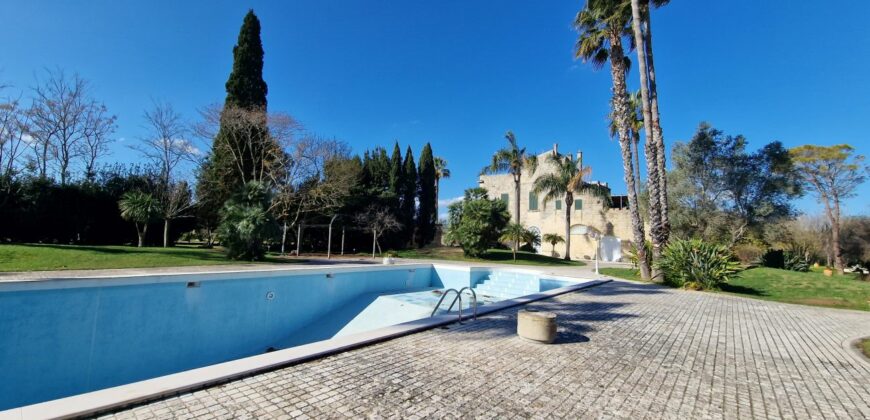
(533,201)
(505,198)
(558,204)
(578,204)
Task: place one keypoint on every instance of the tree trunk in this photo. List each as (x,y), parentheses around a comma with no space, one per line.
(652,159)
(141,234)
(621,111)
(165,233)
(283,237)
(437,181)
(517,202)
(569,202)
(374,241)
(658,137)
(636,138)
(834,217)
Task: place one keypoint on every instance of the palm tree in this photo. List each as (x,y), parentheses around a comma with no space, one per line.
(512,160)
(567,179)
(652,130)
(553,239)
(601,25)
(140,208)
(441,171)
(514,233)
(636,125)
(641,15)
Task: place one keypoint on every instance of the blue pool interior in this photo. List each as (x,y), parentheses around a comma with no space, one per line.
(66,337)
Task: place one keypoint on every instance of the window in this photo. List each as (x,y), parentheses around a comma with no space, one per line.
(558,204)
(505,198)
(578,204)
(533,201)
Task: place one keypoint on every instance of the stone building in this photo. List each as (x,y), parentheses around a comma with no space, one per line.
(614,221)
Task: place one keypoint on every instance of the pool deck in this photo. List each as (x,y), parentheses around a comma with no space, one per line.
(625,350)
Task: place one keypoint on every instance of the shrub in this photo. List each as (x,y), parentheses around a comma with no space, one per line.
(246,222)
(476,222)
(698,264)
(795,259)
(633,257)
(748,253)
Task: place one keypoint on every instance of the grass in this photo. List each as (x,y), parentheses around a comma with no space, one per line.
(812,288)
(33,257)
(864,346)
(502,256)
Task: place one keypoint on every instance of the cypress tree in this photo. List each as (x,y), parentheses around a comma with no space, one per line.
(426,207)
(396,172)
(246,89)
(245,86)
(409,194)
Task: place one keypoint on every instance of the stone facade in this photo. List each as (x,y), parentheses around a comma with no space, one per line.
(549,217)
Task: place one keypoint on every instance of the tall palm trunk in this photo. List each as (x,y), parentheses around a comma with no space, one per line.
(658,137)
(654,170)
(517,201)
(621,111)
(569,201)
(636,138)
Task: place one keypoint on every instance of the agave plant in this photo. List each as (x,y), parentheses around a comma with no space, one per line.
(698,264)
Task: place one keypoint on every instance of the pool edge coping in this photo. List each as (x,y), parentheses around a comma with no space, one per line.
(140,392)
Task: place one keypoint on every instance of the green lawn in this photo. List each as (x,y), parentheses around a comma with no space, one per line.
(503,256)
(812,288)
(74,257)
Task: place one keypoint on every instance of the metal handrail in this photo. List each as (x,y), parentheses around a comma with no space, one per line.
(453,302)
(444,295)
(473,301)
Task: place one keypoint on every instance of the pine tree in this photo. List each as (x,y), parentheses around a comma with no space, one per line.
(409,196)
(221,175)
(426,209)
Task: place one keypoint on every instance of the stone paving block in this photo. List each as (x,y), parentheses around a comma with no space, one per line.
(624,350)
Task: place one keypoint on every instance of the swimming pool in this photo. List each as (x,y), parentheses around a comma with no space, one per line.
(69,336)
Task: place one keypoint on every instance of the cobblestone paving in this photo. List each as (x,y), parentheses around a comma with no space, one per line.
(625,351)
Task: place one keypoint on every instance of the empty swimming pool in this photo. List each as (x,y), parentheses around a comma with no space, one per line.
(69,336)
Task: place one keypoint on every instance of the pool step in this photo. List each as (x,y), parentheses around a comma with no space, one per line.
(507,286)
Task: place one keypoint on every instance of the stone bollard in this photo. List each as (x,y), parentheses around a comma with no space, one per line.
(536,326)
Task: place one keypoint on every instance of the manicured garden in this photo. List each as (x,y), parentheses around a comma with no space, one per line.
(33,257)
(810,288)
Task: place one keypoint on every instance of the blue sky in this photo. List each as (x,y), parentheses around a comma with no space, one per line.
(460,73)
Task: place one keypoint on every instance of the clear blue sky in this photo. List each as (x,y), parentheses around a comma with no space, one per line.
(460,73)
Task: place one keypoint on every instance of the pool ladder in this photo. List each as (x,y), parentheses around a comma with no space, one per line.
(453,302)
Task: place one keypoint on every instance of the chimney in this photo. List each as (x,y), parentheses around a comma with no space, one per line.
(555,149)
(580,159)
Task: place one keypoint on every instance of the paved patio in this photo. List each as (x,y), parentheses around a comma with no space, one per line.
(625,350)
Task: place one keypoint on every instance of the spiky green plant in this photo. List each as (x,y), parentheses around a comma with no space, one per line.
(140,208)
(698,264)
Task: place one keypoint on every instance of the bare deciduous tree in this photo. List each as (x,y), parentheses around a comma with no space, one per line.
(14,128)
(377,220)
(58,117)
(167,147)
(249,137)
(96,137)
(305,184)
